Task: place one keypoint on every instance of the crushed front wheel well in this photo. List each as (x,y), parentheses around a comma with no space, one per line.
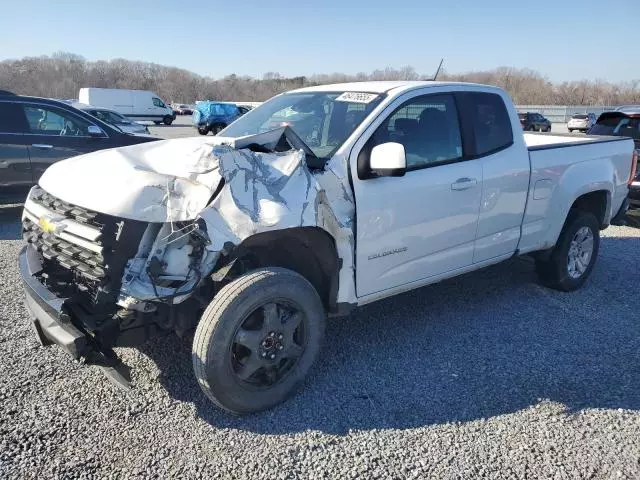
(309,251)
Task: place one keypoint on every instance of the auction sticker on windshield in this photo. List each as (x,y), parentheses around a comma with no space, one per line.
(356,97)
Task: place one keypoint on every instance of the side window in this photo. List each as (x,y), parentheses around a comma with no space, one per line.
(12,119)
(46,120)
(427,127)
(488,118)
(158,103)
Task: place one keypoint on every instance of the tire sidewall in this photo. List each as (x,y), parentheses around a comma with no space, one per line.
(559,257)
(227,390)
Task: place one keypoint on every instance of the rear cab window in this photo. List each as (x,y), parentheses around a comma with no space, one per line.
(487,122)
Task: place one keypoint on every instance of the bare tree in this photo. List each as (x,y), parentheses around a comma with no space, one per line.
(63,74)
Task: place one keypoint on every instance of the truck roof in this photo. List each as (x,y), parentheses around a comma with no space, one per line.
(382,86)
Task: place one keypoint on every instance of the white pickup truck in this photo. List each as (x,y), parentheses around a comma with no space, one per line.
(318,201)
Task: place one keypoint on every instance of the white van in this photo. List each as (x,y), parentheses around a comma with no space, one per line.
(134,104)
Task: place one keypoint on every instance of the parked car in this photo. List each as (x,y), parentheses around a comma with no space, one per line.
(581,122)
(623,124)
(37,132)
(183,109)
(534,122)
(141,105)
(253,237)
(113,118)
(215,116)
(629,108)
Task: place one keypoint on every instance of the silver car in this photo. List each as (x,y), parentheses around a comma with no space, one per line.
(581,122)
(114,118)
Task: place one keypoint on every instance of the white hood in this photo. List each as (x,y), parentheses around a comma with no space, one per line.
(171,180)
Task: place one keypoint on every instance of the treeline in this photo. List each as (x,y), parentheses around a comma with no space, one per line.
(63,74)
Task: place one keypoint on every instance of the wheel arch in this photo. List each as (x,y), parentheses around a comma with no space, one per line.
(309,251)
(597,202)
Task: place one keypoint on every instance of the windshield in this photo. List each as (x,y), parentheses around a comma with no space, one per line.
(618,125)
(580,117)
(323,120)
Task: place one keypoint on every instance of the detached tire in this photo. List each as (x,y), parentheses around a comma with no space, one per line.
(257,340)
(574,256)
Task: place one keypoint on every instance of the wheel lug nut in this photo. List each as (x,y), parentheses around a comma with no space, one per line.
(264,354)
(271,334)
(280,347)
(280,337)
(273,355)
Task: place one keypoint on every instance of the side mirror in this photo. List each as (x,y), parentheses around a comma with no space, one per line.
(95,131)
(388,160)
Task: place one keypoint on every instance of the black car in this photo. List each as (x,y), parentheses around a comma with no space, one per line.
(534,122)
(623,123)
(36,132)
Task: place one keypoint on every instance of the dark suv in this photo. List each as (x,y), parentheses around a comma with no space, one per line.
(36,132)
(534,122)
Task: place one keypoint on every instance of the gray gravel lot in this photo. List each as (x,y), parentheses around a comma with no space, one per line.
(486,375)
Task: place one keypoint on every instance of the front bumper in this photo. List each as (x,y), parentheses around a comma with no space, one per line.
(51,323)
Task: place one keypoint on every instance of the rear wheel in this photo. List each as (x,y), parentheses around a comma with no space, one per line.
(257,340)
(574,255)
(203,130)
(532,128)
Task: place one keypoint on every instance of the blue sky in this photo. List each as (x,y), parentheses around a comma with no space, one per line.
(558,38)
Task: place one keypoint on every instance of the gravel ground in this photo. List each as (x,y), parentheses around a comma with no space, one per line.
(487,375)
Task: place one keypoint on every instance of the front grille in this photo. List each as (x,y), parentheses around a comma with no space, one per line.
(81,215)
(75,258)
(88,255)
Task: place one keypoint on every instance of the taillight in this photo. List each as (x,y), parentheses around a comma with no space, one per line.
(634,166)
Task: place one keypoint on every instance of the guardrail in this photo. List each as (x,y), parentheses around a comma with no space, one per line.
(562,113)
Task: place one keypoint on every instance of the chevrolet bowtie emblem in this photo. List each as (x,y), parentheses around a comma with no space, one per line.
(49,225)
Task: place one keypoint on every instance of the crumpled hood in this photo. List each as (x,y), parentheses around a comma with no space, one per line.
(171,180)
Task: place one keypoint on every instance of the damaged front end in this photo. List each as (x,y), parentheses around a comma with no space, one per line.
(160,232)
(90,289)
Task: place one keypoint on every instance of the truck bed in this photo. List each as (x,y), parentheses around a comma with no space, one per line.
(541,141)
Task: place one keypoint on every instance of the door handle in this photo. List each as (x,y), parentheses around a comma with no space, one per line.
(464,183)
(41,146)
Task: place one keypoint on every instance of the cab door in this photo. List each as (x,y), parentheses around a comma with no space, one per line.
(423,224)
(506,170)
